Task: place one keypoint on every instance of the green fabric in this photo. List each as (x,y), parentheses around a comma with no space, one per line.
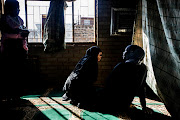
(97,116)
(57,114)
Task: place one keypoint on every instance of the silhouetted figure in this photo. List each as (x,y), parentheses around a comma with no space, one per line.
(79,85)
(13,49)
(126,80)
(13,31)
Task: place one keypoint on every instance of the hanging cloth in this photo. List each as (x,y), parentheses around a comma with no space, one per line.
(54,30)
(159,31)
(170,18)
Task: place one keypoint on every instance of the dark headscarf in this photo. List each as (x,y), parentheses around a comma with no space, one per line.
(11,6)
(89,58)
(93,51)
(133,54)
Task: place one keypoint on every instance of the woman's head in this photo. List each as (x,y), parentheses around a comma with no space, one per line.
(133,53)
(95,52)
(11,7)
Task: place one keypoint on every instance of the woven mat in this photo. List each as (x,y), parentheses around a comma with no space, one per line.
(56,109)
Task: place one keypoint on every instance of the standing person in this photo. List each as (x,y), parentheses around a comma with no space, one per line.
(13,49)
(127,80)
(79,85)
(13,31)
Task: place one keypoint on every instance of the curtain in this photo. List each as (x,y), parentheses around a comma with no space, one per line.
(169,51)
(159,35)
(54,30)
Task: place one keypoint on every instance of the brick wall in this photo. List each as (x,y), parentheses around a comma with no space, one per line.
(112,46)
(83,33)
(55,68)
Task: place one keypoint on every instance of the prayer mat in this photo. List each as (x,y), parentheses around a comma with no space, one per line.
(156,106)
(54,108)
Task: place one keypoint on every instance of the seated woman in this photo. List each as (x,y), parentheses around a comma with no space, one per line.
(127,80)
(79,85)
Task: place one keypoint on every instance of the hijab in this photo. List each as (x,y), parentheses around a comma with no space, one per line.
(93,51)
(89,58)
(133,54)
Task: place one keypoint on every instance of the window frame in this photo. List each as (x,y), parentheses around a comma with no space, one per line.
(73,42)
(115,15)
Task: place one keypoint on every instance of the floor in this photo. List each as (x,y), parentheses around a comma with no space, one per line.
(48,105)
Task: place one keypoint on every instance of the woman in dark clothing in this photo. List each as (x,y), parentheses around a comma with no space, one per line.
(13,50)
(127,80)
(79,85)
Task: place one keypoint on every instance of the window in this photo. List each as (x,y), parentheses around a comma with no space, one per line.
(79,20)
(86,22)
(36,15)
(122,20)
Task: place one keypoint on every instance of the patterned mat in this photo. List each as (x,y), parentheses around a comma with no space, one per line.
(156,106)
(56,109)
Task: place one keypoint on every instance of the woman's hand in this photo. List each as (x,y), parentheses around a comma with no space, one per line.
(25,47)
